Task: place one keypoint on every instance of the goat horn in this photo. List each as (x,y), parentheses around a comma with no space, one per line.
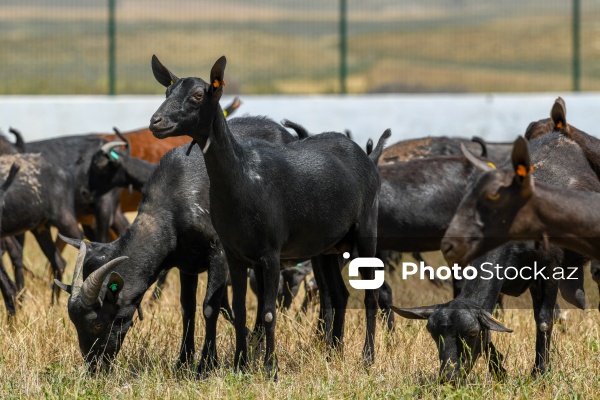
(123,138)
(107,147)
(90,290)
(78,273)
(71,241)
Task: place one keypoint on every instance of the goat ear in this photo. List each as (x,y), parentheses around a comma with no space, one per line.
(63,286)
(559,114)
(217,74)
(521,162)
(480,164)
(162,73)
(414,312)
(488,321)
(113,287)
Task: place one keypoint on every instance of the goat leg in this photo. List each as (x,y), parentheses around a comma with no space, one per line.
(187,298)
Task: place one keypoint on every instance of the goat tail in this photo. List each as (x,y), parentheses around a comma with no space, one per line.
(376,153)
(14,168)
(483,145)
(299,129)
(20,143)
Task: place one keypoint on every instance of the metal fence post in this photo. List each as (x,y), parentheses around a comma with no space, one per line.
(111,48)
(343,45)
(576,45)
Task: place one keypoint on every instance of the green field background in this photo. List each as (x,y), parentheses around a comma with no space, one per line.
(292,47)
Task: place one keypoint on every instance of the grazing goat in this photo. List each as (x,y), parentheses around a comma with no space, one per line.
(465,322)
(172,228)
(270,202)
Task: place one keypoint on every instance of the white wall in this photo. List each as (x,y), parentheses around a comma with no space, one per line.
(496,117)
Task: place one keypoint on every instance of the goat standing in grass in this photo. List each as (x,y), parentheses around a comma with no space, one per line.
(311,198)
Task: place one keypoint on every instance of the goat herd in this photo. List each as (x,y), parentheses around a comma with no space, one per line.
(247,193)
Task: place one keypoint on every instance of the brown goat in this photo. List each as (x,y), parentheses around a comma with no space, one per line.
(528,211)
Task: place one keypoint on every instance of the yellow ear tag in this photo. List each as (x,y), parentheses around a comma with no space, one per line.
(225,113)
(172,82)
(86,240)
(522,171)
(491,164)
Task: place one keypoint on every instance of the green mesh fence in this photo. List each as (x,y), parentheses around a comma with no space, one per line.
(293,46)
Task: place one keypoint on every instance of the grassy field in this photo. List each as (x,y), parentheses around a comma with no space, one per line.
(292,47)
(39,354)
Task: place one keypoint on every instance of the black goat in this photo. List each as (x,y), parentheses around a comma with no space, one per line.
(37,201)
(112,168)
(75,154)
(558,161)
(172,228)
(304,199)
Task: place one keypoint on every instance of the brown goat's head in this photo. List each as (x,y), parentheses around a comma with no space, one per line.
(492,212)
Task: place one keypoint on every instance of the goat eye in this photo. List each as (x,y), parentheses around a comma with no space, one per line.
(493,196)
(198,96)
(97,327)
(473,333)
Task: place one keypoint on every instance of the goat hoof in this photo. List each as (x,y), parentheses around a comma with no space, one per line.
(184,360)
(206,367)
(271,371)
(368,358)
(538,371)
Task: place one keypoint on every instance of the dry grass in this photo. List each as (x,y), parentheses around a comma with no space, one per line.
(39,354)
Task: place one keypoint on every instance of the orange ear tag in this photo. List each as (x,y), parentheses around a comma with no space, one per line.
(216,83)
(522,171)
(559,125)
